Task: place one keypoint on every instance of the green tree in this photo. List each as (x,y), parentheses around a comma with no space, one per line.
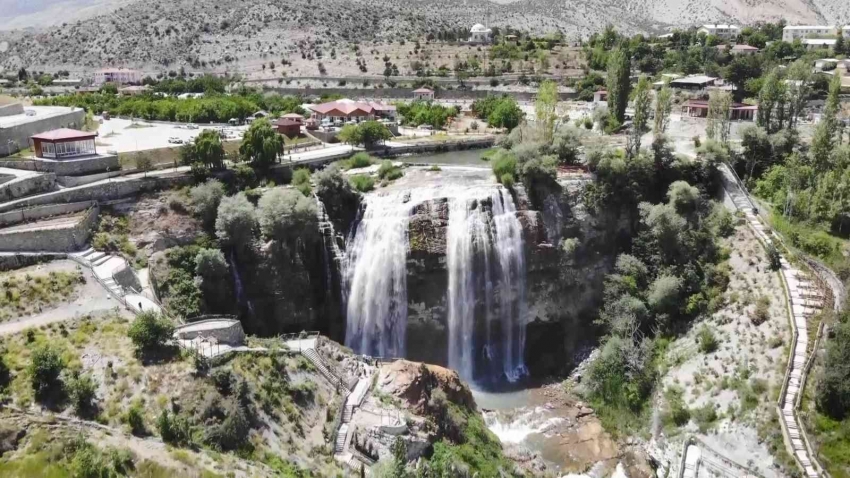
(209,150)
(799,81)
(719,123)
(144,163)
(46,365)
(261,144)
(506,114)
(82,391)
(210,265)
(823,141)
(150,332)
(286,215)
(301,181)
(349,134)
(236,221)
(642,104)
(545,108)
(663,107)
(371,133)
(757,147)
(772,98)
(205,199)
(618,83)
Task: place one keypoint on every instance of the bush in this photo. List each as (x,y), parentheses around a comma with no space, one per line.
(359,160)
(285,215)
(362,182)
(5,375)
(222,379)
(150,332)
(705,416)
(82,390)
(206,198)
(173,429)
(301,181)
(762,312)
(507,180)
(236,221)
(135,418)
(389,171)
(504,163)
(707,340)
(773,257)
(44,369)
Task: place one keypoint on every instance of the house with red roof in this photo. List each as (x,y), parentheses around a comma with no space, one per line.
(348,111)
(737,112)
(289,125)
(423,94)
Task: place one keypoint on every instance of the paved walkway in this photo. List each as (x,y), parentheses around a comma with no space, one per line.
(805,301)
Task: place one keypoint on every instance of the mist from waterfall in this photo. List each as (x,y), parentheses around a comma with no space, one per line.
(485,263)
(486,266)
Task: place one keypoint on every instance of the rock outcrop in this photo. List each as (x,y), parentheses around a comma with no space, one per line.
(413,383)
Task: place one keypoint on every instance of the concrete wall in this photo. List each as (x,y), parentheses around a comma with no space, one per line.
(21,133)
(4,178)
(39,212)
(26,186)
(73,181)
(99,192)
(126,278)
(65,239)
(68,167)
(231,333)
(16,261)
(407,95)
(11,109)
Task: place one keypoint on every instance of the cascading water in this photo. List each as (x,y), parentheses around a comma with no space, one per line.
(377,278)
(477,240)
(237,281)
(486,277)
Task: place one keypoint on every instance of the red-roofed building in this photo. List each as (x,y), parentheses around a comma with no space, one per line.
(289,125)
(423,94)
(346,110)
(64,143)
(737,112)
(744,50)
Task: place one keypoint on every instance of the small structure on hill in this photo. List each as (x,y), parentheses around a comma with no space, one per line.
(695,82)
(64,143)
(423,94)
(600,96)
(480,34)
(721,30)
(121,76)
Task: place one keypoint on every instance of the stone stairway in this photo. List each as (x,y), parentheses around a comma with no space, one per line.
(804,301)
(341,437)
(313,356)
(94,259)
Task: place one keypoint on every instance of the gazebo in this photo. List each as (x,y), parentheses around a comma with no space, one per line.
(64,143)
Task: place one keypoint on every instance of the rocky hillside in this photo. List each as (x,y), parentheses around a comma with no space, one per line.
(209,34)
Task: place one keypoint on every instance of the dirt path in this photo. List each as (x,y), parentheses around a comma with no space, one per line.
(90,299)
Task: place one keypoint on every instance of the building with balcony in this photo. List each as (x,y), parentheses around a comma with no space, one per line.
(793,32)
(120,76)
(721,31)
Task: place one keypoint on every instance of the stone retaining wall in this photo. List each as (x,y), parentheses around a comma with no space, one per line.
(20,134)
(10,262)
(68,167)
(100,192)
(11,109)
(26,186)
(39,212)
(231,333)
(65,239)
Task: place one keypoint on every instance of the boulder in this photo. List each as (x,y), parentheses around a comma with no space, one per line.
(413,382)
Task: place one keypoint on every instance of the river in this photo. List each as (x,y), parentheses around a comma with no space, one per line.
(469,157)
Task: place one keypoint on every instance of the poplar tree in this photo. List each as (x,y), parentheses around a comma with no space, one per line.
(823,140)
(663,107)
(544,107)
(718,123)
(642,105)
(619,68)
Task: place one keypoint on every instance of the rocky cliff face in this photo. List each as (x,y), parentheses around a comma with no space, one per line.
(563,287)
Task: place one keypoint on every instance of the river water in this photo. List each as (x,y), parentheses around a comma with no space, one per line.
(469,157)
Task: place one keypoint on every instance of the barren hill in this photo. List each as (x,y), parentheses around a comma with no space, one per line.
(222,35)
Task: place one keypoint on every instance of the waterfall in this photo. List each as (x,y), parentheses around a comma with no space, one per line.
(237,281)
(484,254)
(485,261)
(376,277)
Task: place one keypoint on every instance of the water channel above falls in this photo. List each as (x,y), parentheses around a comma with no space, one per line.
(466,227)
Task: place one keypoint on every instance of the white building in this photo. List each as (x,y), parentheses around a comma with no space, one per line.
(480,34)
(119,76)
(792,32)
(721,31)
(815,43)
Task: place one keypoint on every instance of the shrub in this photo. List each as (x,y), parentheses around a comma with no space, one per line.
(236,220)
(82,391)
(286,215)
(389,171)
(762,312)
(5,375)
(150,332)
(206,198)
(705,416)
(173,429)
(222,379)
(135,418)
(359,160)
(707,340)
(44,369)
(504,163)
(507,180)
(774,258)
(232,432)
(362,182)
(678,411)
(301,181)
(210,264)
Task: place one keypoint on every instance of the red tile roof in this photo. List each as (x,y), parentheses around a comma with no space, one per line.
(423,90)
(346,107)
(293,116)
(704,104)
(288,122)
(62,134)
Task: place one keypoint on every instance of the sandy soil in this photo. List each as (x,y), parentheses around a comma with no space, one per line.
(746,351)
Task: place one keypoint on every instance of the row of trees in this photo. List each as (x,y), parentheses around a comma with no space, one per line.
(426,112)
(498,111)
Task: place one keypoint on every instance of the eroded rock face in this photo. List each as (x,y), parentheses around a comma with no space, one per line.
(413,383)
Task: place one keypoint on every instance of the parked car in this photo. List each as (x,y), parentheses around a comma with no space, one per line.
(174,140)
(191,126)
